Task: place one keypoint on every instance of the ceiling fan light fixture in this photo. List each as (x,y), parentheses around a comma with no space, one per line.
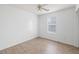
(41,7)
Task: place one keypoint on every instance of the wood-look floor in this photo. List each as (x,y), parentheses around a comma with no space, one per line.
(41,46)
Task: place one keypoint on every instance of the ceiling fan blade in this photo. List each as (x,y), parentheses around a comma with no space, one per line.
(39,7)
(45,9)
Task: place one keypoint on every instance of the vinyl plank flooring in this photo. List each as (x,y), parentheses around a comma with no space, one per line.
(41,46)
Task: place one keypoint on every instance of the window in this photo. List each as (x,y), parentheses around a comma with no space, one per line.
(51,25)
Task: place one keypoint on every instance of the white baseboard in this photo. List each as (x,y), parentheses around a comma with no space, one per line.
(54,39)
(18,42)
(32,37)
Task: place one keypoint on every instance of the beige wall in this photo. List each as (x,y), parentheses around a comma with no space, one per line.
(16,26)
(67,26)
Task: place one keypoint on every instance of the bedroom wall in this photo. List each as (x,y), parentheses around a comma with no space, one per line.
(66,26)
(77,13)
(16,26)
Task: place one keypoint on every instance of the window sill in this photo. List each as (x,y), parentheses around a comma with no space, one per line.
(51,32)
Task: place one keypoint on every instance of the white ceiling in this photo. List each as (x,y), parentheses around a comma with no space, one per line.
(33,7)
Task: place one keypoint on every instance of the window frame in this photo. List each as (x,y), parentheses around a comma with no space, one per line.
(51,24)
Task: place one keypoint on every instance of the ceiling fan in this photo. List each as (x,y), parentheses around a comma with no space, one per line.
(42,7)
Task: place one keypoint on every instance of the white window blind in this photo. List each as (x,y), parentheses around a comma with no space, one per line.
(51,25)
